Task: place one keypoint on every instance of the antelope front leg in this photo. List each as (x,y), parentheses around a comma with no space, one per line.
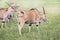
(37,26)
(20,25)
(30,27)
(3,24)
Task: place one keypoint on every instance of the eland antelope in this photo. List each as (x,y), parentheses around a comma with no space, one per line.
(6,12)
(32,16)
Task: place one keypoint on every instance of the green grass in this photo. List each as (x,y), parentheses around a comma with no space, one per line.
(49,30)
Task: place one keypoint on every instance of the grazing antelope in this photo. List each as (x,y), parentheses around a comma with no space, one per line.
(32,16)
(5,12)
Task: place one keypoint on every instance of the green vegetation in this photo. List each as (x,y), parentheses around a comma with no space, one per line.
(49,30)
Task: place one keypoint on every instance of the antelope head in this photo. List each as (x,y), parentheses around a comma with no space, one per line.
(43,16)
(12,6)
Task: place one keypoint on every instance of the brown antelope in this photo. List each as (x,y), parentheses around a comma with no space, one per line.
(32,16)
(10,16)
(5,12)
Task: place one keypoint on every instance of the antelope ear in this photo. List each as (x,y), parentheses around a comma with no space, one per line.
(22,12)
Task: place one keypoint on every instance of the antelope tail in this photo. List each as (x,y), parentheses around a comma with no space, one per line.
(43,10)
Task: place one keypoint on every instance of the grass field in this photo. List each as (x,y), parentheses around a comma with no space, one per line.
(49,30)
